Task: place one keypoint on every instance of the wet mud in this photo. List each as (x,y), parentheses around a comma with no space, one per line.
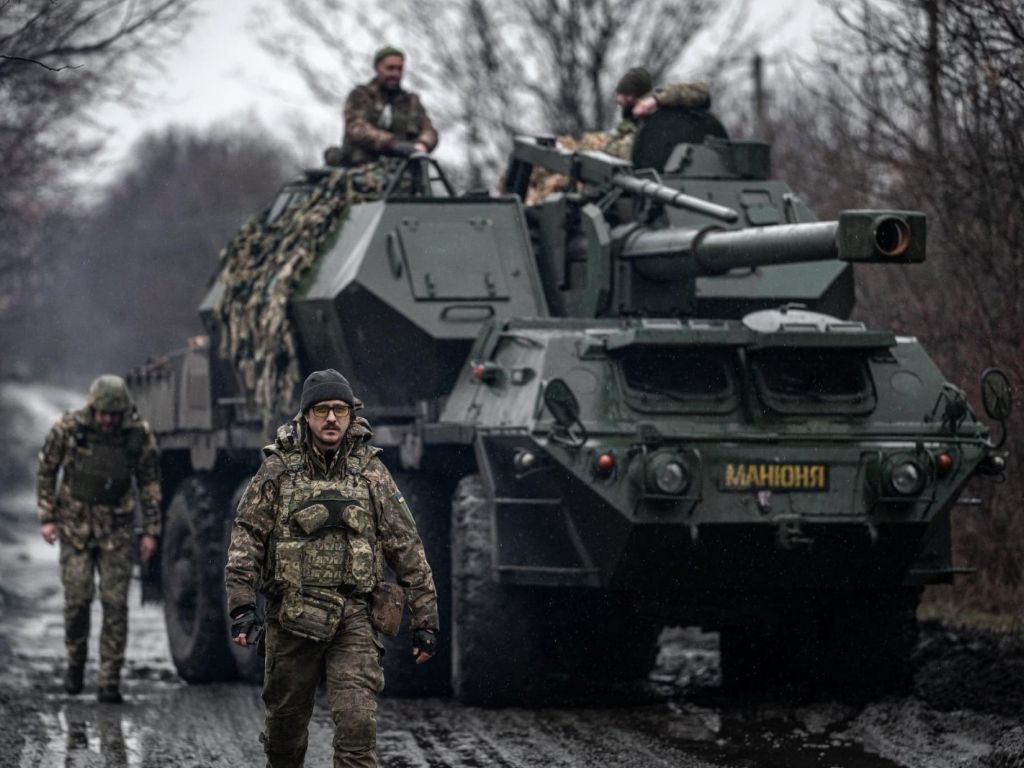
(965,710)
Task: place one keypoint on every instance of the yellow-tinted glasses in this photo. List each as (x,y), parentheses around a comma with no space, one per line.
(321,410)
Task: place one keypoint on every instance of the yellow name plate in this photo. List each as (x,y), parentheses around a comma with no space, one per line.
(758,476)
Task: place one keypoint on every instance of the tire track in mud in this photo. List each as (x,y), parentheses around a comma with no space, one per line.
(615,733)
(465,737)
(35,753)
(445,736)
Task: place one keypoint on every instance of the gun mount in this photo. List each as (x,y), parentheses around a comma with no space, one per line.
(617,241)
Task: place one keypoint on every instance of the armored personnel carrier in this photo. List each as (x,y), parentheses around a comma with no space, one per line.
(637,401)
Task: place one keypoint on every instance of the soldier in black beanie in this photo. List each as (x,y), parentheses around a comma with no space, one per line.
(325,385)
(637,97)
(314,531)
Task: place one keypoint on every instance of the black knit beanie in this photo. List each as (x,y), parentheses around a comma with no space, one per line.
(325,385)
(387,50)
(636,82)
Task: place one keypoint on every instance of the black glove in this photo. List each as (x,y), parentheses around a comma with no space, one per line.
(403,148)
(244,621)
(425,640)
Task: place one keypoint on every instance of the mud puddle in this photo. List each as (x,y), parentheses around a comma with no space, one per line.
(779,739)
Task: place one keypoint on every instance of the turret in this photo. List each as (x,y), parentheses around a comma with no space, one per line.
(615,240)
(391,261)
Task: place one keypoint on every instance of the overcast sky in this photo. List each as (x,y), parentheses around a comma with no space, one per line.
(219,73)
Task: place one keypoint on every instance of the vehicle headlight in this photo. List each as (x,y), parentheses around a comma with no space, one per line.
(667,474)
(906,477)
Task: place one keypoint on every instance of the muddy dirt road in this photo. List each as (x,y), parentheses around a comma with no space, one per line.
(967,709)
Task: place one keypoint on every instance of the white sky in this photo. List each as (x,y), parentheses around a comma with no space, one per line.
(219,74)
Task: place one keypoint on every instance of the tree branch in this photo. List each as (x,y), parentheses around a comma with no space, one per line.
(39,63)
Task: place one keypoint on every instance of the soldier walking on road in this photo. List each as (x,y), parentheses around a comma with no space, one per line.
(314,529)
(381,118)
(100,449)
(637,97)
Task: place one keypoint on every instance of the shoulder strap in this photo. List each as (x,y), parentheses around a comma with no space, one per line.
(364,455)
(294,465)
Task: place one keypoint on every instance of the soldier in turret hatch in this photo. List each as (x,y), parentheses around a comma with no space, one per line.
(636,95)
(101,449)
(381,118)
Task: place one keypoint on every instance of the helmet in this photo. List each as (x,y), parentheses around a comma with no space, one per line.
(109,393)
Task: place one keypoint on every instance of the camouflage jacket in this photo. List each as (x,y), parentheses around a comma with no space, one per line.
(677,96)
(376,120)
(70,440)
(249,565)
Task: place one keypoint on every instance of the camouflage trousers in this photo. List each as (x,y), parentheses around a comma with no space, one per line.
(77,572)
(351,661)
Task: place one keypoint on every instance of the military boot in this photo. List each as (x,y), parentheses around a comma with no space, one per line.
(73,677)
(109,694)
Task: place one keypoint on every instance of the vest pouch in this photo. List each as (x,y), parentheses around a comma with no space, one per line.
(309,520)
(362,566)
(319,613)
(288,564)
(387,601)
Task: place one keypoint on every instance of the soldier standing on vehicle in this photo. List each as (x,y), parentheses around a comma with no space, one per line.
(100,449)
(314,529)
(637,97)
(383,119)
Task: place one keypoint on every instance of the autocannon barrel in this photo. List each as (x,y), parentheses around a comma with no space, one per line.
(675,198)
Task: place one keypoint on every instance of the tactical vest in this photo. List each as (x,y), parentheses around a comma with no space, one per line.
(325,531)
(99,467)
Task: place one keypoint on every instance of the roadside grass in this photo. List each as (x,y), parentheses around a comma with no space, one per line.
(941,604)
(988,538)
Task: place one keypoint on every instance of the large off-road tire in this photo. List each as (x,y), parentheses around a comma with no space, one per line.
(851,645)
(429,500)
(495,646)
(193,580)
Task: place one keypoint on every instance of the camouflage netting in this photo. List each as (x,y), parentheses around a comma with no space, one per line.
(261,268)
(543,182)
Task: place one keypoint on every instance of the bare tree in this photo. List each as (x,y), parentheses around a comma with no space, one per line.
(493,69)
(139,260)
(921,105)
(60,59)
